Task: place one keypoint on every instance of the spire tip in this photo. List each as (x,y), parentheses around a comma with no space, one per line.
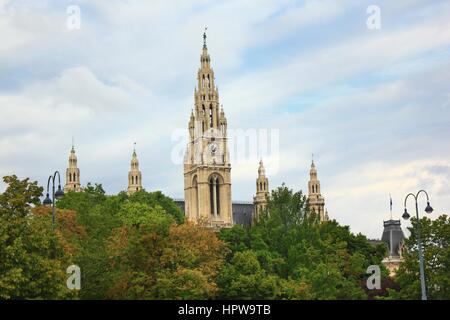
(204,38)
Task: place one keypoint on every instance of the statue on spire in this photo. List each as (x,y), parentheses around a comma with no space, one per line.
(204,38)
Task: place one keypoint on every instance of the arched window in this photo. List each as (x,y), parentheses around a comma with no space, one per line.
(214,195)
(195,200)
(132,179)
(211,195)
(218,196)
(210,116)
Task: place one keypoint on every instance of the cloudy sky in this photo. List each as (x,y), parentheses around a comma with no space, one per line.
(373,105)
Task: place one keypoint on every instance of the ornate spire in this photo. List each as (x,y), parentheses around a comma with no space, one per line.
(262,192)
(72,173)
(316,201)
(134,175)
(207,177)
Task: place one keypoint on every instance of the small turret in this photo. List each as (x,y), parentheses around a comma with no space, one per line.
(72,173)
(134,176)
(316,201)
(262,192)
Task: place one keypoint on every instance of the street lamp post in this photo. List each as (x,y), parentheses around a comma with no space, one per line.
(406,216)
(55,195)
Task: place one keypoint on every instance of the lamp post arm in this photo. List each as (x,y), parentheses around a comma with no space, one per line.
(48,183)
(420,191)
(409,194)
(59,177)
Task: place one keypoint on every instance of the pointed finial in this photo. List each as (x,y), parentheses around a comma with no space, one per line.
(134,149)
(204,38)
(261,170)
(312,160)
(390,204)
(73,146)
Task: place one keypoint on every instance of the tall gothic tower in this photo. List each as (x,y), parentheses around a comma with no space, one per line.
(72,174)
(316,201)
(207,170)
(134,176)
(262,192)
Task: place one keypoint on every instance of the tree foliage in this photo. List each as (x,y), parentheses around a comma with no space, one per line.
(139,247)
(435,237)
(160,259)
(294,256)
(33,259)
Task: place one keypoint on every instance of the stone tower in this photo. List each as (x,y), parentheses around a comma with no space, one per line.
(393,237)
(316,201)
(72,174)
(134,176)
(207,170)
(262,192)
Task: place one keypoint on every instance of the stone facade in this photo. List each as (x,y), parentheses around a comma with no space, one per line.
(134,175)
(72,174)
(315,198)
(207,169)
(262,192)
(393,238)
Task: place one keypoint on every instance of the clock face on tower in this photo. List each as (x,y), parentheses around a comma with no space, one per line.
(214,153)
(213,148)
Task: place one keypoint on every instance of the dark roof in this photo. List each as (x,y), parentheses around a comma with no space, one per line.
(242,211)
(393,233)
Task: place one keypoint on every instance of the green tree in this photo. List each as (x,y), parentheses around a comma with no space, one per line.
(32,260)
(159,259)
(98,214)
(157,198)
(102,215)
(435,237)
(306,259)
(243,278)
